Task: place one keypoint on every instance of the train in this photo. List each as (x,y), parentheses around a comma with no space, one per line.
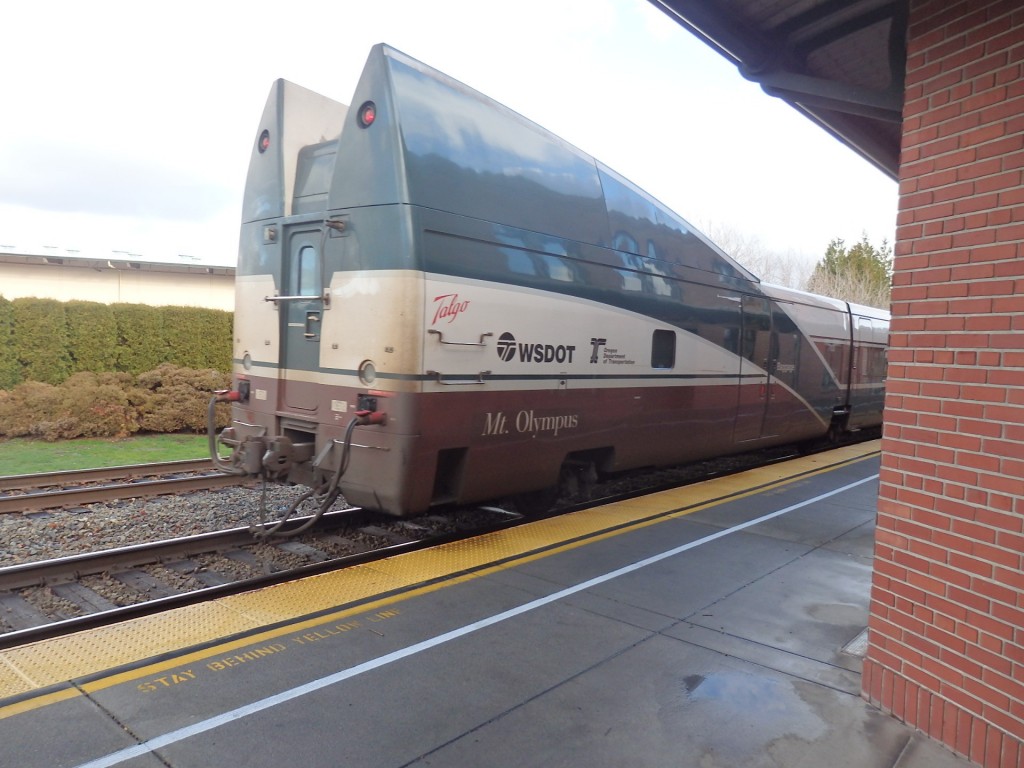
(440,303)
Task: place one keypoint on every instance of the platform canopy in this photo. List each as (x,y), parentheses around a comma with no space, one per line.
(839,62)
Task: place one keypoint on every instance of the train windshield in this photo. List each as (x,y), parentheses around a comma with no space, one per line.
(313,176)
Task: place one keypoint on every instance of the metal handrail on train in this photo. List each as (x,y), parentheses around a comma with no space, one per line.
(440,338)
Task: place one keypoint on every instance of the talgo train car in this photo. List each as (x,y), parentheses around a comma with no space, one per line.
(440,302)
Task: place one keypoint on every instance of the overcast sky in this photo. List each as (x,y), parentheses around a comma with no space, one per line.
(127,126)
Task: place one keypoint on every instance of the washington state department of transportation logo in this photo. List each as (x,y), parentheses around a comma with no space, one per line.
(506,346)
(533,352)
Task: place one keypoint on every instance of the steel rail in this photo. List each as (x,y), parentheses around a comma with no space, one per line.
(48,479)
(60,570)
(93,494)
(64,569)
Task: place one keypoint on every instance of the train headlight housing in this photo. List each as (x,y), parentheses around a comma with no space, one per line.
(367,372)
(367,114)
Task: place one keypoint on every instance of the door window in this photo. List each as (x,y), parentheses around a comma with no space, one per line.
(307,272)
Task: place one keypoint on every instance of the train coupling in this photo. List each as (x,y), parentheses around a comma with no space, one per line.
(273,457)
(282,455)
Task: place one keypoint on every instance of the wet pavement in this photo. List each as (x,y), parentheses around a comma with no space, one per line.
(724,636)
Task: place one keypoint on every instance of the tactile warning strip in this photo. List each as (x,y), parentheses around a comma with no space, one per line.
(167,637)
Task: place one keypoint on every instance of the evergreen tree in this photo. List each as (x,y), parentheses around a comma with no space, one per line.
(10,369)
(197,337)
(140,338)
(92,336)
(41,340)
(861,273)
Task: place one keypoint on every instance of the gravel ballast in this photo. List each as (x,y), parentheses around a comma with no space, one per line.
(57,533)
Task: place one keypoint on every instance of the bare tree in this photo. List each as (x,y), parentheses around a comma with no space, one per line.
(781,268)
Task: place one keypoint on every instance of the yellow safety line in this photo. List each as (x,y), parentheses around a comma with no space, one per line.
(87,654)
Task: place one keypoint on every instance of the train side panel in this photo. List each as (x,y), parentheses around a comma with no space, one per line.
(869,366)
(441,302)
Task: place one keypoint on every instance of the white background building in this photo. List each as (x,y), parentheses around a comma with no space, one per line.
(56,273)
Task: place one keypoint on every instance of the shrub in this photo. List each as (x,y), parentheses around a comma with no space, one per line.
(101,405)
(41,340)
(10,370)
(140,339)
(198,338)
(167,399)
(47,340)
(92,336)
(184,335)
(222,346)
(27,406)
(178,398)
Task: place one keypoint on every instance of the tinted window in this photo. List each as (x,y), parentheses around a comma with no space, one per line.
(307,272)
(663,349)
(469,155)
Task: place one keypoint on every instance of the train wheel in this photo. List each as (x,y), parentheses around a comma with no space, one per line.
(536,503)
(575,481)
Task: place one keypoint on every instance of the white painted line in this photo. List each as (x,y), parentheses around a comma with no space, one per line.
(294,693)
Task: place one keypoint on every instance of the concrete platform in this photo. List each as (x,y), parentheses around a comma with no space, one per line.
(709,627)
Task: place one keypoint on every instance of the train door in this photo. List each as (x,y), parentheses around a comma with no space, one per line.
(782,410)
(755,347)
(301,306)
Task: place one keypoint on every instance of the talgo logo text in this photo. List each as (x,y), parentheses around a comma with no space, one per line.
(448,306)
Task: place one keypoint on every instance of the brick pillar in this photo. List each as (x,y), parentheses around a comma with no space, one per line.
(946,648)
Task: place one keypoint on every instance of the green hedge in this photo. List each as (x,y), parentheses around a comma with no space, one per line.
(197,338)
(41,340)
(141,345)
(92,336)
(10,370)
(46,341)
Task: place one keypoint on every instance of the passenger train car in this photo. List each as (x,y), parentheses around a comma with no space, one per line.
(440,302)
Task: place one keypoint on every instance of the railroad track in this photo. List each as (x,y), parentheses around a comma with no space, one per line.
(47,490)
(101,474)
(53,597)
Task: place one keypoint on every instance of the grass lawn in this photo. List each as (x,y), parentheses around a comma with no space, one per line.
(21,456)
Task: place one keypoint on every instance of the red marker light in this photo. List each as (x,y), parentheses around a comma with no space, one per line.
(264,143)
(367,114)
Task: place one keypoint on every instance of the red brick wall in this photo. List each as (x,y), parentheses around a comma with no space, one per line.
(947,607)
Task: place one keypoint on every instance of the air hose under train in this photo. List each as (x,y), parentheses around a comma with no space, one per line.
(325,494)
(211,435)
